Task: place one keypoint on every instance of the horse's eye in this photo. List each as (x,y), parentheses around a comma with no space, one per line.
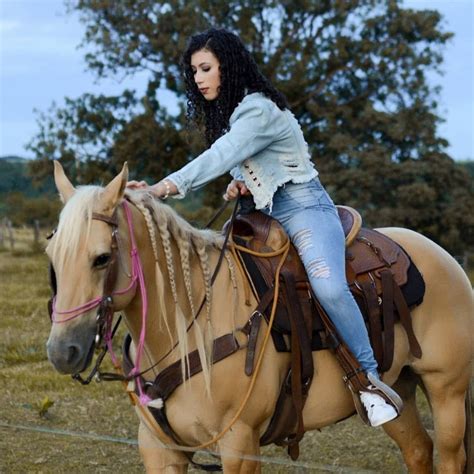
(101,260)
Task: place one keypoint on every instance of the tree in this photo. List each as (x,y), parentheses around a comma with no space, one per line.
(24,210)
(354,73)
(468,165)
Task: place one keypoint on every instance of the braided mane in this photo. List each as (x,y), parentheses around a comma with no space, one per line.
(162,219)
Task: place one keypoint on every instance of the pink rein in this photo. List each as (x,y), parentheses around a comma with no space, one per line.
(137,274)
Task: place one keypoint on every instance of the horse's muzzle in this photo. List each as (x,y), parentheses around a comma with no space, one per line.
(70,357)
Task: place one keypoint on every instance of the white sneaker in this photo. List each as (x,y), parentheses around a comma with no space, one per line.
(378,410)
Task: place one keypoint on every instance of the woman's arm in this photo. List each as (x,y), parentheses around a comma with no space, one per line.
(251,131)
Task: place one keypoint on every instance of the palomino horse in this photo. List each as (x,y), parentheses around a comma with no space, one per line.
(176,264)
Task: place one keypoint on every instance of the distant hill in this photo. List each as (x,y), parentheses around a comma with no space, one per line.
(13,159)
(14,177)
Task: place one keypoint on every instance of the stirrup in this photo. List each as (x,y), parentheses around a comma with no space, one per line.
(380,388)
(386,392)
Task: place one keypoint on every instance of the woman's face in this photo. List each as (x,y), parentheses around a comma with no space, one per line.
(206,72)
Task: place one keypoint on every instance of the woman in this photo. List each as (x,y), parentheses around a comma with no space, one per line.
(252,134)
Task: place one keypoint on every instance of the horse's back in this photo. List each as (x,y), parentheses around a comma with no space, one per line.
(444,321)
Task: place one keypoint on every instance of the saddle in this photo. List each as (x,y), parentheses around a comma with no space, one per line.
(376,266)
(383,280)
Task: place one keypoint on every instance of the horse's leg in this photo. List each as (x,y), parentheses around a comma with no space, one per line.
(238,449)
(156,458)
(447,396)
(407,430)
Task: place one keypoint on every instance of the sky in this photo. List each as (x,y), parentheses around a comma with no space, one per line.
(41,63)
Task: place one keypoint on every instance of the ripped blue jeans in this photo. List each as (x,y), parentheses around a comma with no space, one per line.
(310,218)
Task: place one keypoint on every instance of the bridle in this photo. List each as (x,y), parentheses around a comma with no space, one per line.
(105,303)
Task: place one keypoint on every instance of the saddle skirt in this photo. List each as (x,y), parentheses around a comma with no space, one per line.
(381,276)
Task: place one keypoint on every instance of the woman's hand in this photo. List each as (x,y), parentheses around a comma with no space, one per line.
(234,189)
(161,190)
(137,185)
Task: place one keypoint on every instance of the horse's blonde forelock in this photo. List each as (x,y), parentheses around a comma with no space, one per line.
(74,224)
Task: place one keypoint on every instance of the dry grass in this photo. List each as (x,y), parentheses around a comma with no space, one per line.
(27,379)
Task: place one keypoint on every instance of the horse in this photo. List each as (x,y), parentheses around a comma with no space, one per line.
(215,407)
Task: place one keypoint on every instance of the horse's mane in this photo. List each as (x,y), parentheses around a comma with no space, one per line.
(173,227)
(74,230)
(81,205)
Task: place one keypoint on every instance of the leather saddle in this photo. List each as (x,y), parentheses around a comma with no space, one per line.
(381,276)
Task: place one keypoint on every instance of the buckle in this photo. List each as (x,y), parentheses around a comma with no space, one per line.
(254,315)
(248,325)
(348,376)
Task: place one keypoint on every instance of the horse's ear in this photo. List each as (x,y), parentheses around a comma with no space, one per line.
(63,185)
(113,192)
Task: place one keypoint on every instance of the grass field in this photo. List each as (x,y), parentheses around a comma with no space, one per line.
(66,436)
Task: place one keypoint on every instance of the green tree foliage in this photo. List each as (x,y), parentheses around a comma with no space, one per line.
(21,209)
(14,176)
(22,202)
(354,73)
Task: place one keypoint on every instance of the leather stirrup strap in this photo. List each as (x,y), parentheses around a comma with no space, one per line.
(388,319)
(252,327)
(355,377)
(405,319)
(296,389)
(373,311)
(296,314)
(301,361)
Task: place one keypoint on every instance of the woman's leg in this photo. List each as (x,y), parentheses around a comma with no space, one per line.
(311,220)
(318,236)
(313,225)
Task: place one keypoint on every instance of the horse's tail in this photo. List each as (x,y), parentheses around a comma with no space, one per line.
(468,438)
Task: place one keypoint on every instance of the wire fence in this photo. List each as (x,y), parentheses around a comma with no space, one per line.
(303,466)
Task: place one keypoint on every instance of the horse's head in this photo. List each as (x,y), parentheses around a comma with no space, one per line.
(81,253)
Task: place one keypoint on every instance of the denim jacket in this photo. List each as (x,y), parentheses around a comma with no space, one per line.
(264,147)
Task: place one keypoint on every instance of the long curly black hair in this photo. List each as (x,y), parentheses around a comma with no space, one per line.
(239,75)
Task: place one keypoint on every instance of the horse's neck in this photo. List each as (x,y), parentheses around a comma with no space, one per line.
(163,289)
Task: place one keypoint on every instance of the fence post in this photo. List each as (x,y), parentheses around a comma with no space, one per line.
(2,233)
(10,233)
(36,231)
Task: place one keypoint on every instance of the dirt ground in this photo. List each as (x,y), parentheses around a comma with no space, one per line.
(93,429)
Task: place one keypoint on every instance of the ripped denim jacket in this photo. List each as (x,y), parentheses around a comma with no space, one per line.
(264,147)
